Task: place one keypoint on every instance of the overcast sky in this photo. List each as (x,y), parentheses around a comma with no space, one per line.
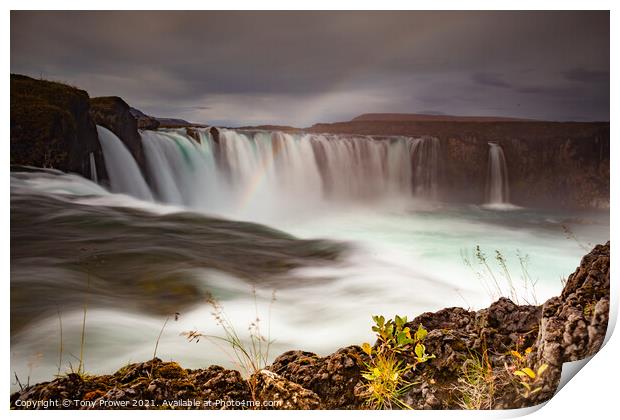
(299,68)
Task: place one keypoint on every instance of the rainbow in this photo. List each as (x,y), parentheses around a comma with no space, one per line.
(259,176)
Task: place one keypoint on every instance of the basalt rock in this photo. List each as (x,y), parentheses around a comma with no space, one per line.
(275,392)
(215,133)
(51,127)
(574,325)
(152,384)
(193,133)
(333,378)
(565,328)
(115,114)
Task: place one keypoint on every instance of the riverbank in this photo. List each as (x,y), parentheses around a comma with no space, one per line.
(504,356)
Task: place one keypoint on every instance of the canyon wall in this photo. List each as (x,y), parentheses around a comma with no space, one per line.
(550,164)
(555,164)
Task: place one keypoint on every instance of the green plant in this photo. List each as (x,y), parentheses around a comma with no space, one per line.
(387,368)
(479,380)
(588,309)
(476,385)
(530,379)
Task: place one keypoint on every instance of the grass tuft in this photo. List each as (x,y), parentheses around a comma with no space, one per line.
(249,355)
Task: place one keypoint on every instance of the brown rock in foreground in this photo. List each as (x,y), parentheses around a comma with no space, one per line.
(565,328)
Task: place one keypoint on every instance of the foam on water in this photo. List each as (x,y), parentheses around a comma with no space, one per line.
(405,252)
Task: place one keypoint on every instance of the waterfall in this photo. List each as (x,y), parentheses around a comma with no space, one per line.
(183,171)
(426,164)
(123,171)
(93,167)
(265,171)
(497,176)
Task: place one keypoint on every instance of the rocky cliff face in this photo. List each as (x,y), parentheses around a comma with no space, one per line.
(145,122)
(115,114)
(549,163)
(51,127)
(477,357)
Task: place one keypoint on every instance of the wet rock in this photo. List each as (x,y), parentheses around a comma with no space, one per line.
(115,114)
(193,133)
(215,133)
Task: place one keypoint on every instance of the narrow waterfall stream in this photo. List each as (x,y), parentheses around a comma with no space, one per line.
(93,167)
(498,192)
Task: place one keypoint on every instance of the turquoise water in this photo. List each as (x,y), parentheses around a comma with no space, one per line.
(400,257)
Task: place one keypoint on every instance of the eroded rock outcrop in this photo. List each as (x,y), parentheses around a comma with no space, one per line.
(51,127)
(144,385)
(574,324)
(276,392)
(333,378)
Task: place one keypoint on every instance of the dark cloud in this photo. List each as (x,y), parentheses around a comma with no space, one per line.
(587,75)
(556,91)
(303,67)
(490,79)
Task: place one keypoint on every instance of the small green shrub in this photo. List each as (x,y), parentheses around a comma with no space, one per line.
(531,380)
(387,367)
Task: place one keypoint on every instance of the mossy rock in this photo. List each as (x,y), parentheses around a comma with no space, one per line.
(170,370)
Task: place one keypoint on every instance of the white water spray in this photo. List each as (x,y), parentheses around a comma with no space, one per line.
(124,173)
(263,172)
(497,178)
(426,167)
